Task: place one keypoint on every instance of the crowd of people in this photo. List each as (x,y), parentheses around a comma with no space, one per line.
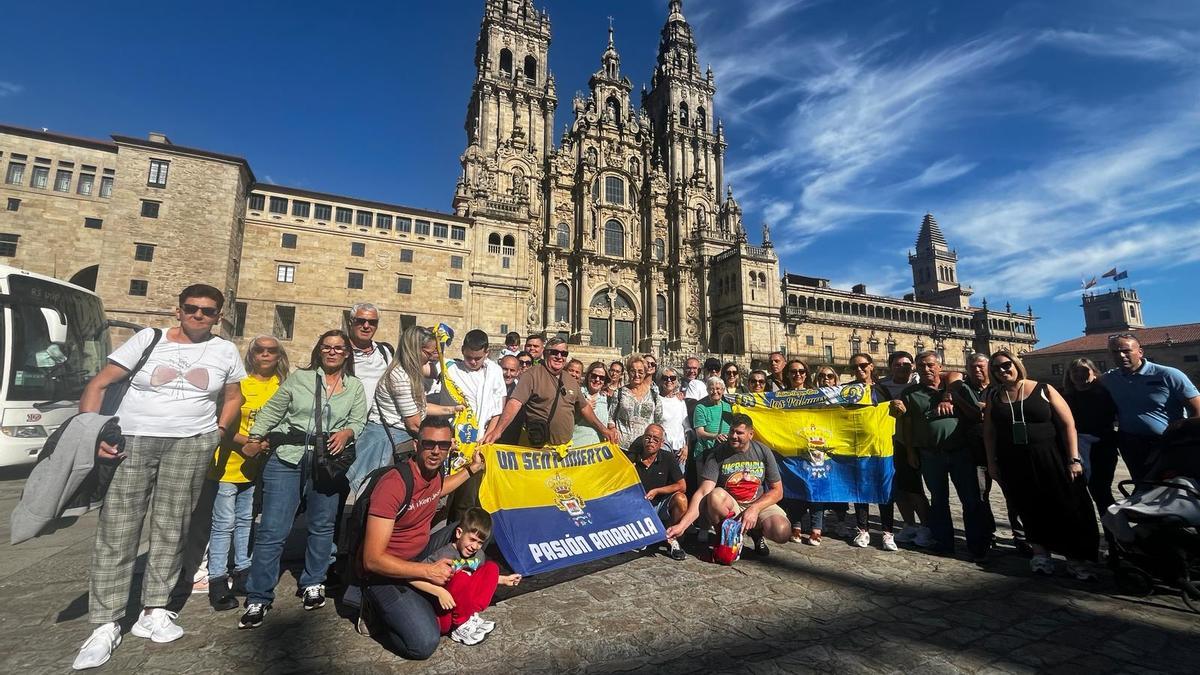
(311,439)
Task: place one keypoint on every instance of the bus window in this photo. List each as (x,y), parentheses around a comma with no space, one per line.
(59,341)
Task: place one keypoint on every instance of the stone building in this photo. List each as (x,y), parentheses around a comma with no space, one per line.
(620,234)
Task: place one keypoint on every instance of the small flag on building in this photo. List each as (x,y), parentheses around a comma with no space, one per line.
(1110,273)
(1123,274)
(1089,283)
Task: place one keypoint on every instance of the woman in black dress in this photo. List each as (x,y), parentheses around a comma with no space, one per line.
(1029,435)
(1095,416)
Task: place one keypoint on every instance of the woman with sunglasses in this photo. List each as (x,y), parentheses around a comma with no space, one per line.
(757,382)
(1029,434)
(863,370)
(595,384)
(731,375)
(795,378)
(676,424)
(401,396)
(1095,415)
(795,375)
(267,367)
(288,475)
(616,377)
(636,405)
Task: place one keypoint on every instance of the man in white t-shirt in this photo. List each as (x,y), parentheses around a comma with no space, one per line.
(171,425)
(371,359)
(693,386)
(481,382)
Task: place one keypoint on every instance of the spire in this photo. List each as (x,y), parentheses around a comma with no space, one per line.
(610,62)
(676,8)
(931,236)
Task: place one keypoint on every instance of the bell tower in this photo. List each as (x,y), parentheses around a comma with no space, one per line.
(935,268)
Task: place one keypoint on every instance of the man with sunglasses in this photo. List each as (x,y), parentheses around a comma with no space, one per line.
(550,399)
(1151,400)
(371,359)
(399,616)
(171,423)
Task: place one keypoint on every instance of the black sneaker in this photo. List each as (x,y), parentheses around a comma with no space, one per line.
(760,546)
(314,597)
(253,617)
(675,551)
(218,595)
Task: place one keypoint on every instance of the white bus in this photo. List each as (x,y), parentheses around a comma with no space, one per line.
(53,339)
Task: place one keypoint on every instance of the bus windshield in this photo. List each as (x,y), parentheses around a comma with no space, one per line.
(59,340)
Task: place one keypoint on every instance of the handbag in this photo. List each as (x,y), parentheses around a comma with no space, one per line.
(327,468)
(538,431)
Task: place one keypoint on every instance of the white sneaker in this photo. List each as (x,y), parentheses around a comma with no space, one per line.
(1042,564)
(158,625)
(889,542)
(862,539)
(484,624)
(907,534)
(1080,570)
(468,633)
(98,648)
(924,538)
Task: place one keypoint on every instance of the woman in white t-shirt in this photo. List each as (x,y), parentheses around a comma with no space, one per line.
(676,423)
(171,424)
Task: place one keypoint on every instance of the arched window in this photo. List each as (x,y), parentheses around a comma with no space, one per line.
(506,64)
(493,243)
(614,239)
(683,113)
(762,279)
(701,119)
(660,312)
(613,108)
(614,190)
(563,236)
(510,245)
(660,250)
(562,303)
(531,70)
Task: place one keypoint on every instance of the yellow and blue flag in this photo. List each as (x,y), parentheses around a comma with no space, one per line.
(557,507)
(833,444)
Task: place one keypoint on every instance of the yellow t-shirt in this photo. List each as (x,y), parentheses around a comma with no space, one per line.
(229,464)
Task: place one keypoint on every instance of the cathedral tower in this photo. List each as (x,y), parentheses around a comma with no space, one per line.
(935,268)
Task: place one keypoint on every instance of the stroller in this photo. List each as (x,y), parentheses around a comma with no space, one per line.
(1156,527)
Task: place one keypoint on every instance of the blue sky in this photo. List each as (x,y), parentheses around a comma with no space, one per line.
(1052,140)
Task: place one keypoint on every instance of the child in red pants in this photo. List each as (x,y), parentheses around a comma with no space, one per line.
(469,590)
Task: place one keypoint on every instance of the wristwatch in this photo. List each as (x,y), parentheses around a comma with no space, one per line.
(1076,460)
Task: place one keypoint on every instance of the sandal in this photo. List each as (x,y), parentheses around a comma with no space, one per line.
(797,535)
(814,539)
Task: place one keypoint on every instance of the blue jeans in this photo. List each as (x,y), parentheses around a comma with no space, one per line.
(806,515)
(405,621)
(283,487)
(940,468)
(232,516)
(373,450)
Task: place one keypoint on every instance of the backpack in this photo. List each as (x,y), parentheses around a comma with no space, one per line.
(358,517)
(388,351)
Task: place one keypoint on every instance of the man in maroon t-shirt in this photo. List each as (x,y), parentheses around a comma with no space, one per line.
(401,617)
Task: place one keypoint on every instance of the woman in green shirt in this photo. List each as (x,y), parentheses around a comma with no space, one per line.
(288,474)
(710,419)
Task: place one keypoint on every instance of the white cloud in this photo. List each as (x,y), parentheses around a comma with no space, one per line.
(1177,47)
(942,171)
(10,89)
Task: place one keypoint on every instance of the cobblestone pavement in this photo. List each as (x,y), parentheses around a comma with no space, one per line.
(833,608)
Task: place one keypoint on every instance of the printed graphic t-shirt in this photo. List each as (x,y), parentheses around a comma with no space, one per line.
(175,394)
(410,536)
(457,562)
(741,474)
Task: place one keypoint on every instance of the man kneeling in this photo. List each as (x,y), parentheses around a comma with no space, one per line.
(732,483)
(662,480)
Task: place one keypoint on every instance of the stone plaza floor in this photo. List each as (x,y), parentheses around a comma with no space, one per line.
(831,609)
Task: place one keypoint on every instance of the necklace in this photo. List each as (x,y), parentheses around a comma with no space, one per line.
(330,389)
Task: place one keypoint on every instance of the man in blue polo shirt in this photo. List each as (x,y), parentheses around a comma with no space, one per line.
(1151,399)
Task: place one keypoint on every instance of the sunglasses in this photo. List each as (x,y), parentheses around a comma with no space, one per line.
(862,366)
(359,321)
(669,378)
(757,381)
(651,365)
(333,349)
(730,372)
(598,376)
(562,353)
(266,350)
(444,446)
(1003,366)
(209,312)
(796,372)
(525,363)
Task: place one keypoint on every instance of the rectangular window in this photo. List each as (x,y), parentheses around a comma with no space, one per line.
(406,255)
(809,341)
(404,285)
(458,233)
(14,204)
(1102,365)
(158,173)
(614,190)
(358,249)
(149,209)
(441,230)
(345,216)
(93,223)
(456,262)
(423,227)
(15,174)
(138,287)
(829,353)
(503,328)
(285,274)
(86,181)
(1056,369)
(288,240)
(383,221)
(239,319)
(257,202)
(506,262)
(407,321)
(62,181)
(106,186)
(403,224)
(364,218)
(285,322)
(599,328)
(143,252)
(322,212)
(354,280)
(8,245)
(299,208)
(455,290)
(41,177)
(279,205)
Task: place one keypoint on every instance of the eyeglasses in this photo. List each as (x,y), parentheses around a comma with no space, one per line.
(524,362)
(598,376)
(730,372)
(1003,366)
(651,365)
(796,371)
(209,312)
(669,378)
(334,349)
(862,366)
(444,446)
(561,353)
(360,321)
(755,380)
(826,376)
(654,440)
(265,350)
